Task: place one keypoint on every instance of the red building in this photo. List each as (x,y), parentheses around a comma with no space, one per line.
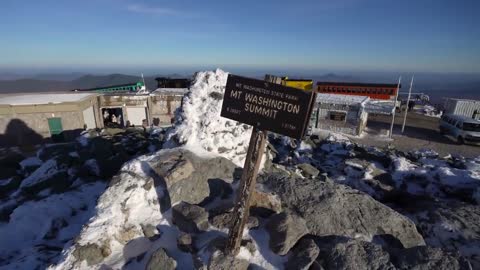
(372,90)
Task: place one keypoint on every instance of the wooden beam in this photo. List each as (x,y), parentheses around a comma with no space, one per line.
(245,190)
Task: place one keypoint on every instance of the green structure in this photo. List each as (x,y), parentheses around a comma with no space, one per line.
(132,87)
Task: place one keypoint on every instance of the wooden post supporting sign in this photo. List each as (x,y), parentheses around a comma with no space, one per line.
(246,188)
(266,106)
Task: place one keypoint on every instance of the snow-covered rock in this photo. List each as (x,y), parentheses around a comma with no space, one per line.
(200,126)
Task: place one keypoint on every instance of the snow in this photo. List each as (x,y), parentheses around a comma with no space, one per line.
(202,129)
(127,205)
(170,91)
(380,106)
(341,99)
(113,221)
(31,223)
(44,98)
(123,207)
(263,256)
(427,110)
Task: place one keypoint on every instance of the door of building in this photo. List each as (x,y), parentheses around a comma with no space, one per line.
(56,128)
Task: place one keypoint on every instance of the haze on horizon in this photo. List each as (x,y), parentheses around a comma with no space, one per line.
(306,35)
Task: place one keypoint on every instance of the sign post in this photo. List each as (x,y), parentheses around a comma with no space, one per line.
(265,106)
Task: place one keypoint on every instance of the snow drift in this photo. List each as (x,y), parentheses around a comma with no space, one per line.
(199,124)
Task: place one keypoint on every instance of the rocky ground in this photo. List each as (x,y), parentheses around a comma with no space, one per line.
(152,200)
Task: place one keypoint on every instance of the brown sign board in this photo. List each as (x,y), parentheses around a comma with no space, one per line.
(267,106)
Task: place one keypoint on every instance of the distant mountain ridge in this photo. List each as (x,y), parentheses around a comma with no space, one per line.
(437,87)
(83,82)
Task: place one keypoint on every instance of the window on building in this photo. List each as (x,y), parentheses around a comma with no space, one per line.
(337,116)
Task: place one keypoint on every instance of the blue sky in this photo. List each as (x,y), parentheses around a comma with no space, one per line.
(360,35)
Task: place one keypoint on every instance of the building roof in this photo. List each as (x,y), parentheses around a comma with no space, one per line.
(42,98)
(110,86)
(172,79)
(341,99)
(380,106)
(463,99)
(353,84)
(297,80)
(170,91)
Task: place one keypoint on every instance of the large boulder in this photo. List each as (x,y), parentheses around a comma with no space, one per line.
(332,209)
(343,253)
(450,225)
(51,174)
(189,218)
(285,229)
(186,175)
(303,255)
(424,257)
(346,253)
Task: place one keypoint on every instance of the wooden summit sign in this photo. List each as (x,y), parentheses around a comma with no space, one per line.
(267,107)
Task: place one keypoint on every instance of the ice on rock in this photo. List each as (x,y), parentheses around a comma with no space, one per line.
(201,129)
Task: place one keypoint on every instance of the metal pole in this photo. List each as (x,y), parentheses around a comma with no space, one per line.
(395,107)
(408,103)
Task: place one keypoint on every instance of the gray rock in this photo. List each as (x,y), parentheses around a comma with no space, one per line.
(332,209)
(248,244)
(91,253)
(344,253)
(186,175)
(222,221)
(352,254)
(57,181)
(428,258)
(185,242)
(265,200)
(198,264)
(253,222)
(308,170)
(285,229)
(225,220)
(221,261)
(161,261)
(127,234)
(8,185)
(52,150)
(303,255)
(189,218)
(461,230)
(150,231)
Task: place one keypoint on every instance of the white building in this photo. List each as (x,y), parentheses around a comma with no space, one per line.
(340,113)
(466,107)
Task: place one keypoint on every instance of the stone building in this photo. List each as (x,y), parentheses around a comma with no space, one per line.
(27,119)
(30,118)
